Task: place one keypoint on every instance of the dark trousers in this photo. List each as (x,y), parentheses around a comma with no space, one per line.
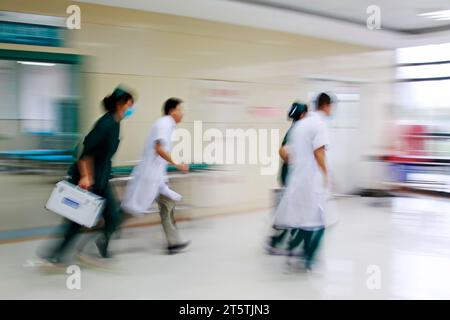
(311,241)
(112,216)
(279,236)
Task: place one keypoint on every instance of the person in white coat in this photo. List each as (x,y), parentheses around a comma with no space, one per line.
(149,182)
(303,205)
(276,244)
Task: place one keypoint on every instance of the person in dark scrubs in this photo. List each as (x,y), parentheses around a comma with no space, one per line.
(296,112)
(93,168)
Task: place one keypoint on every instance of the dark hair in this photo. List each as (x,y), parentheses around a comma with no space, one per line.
(119,96)
(296,110)
(170,104)
(322,100)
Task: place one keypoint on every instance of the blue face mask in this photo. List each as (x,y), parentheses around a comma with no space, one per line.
(129,112)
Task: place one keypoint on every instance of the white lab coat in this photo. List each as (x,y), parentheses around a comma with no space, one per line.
(149,176)
(303,204)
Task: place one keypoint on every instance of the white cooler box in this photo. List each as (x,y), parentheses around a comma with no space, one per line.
(76,204)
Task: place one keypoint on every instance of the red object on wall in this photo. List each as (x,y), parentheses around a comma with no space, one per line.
(414,140)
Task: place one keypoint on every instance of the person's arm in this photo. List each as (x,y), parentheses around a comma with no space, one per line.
(159,148)
(319,155)
(320,144)
(283,154)
(86,168)
(86,162)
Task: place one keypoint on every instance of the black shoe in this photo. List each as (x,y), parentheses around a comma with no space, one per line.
(172,249)
(102,246)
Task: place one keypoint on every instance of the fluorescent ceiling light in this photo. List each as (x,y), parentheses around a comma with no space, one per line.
(436,15)
(32,18)
(429,53)
(33,63)
(424,71)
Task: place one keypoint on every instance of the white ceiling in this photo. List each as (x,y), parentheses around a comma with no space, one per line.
(330,19)
(395,15)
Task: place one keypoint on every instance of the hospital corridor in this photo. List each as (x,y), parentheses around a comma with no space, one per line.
(224,150)
(227,261)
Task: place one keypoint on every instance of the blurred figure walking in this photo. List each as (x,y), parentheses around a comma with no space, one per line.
(302,207)
(93,168)
(148,181)
(297,111)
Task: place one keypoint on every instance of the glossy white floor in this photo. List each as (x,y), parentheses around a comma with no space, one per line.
(407,240)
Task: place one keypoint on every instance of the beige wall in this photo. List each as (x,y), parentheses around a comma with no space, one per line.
(162,55)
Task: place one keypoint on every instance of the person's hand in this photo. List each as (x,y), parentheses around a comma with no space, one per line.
(85,182)
(183,167)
